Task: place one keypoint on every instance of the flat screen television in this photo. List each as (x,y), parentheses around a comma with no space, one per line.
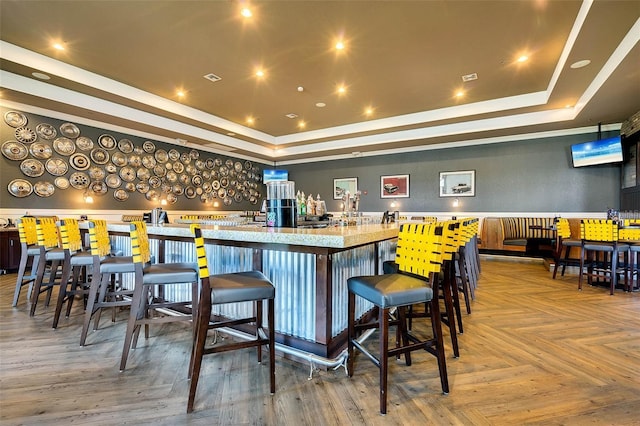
(603,151)
(274,175)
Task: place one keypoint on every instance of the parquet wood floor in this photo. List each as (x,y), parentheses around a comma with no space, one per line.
(534,351)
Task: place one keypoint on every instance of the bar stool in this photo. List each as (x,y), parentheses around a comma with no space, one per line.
(51,255)
(29,252)
(419,260)
(629,233)
(150,277)
(564,244)
(600,236)
(104,290)
(75,259)
(251,286)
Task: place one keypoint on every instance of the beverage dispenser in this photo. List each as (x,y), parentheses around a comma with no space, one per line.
(281,204)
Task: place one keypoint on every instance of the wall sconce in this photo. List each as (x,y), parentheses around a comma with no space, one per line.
(456,202)
(393,204)
(87,197)
(216,204)
(163,202)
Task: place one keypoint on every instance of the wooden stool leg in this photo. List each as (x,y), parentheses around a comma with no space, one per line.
(383,320)
(197,352)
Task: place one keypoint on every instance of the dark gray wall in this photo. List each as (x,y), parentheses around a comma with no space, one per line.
(525,176)
(72,198)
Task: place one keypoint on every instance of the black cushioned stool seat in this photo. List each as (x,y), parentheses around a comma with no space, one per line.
(418,258)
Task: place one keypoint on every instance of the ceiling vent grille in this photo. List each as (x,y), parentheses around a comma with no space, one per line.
(212,77)
(470,77)
(291,115)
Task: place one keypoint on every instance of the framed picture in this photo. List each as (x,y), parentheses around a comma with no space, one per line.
(342,185)
(458,184)
(394,186)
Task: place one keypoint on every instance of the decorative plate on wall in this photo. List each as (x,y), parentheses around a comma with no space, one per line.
(185,158)
(61,182)
(119,159)
(40,150)
(70,130)
(20,188)
(32,167)
(25,134)
(149,161)
(107,142)
(84,143)
(135,160)
(15,119)
(44,189)
(97,173)
(46,131)
(126,146)
(113,181)
(99,156)
(15,150)
(161,156)
(120,195)
(174,155)
(56,166)
(80,161)
(98,187)
(128,174)
(64,146)
(79,180)
(159,170)
(143,174)
(149,147)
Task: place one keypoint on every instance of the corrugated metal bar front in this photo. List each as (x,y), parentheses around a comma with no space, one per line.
(294,276)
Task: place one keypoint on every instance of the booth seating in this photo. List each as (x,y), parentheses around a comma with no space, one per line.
(528,234)
(419,259)
(149,280)
(250,286)
(30,252)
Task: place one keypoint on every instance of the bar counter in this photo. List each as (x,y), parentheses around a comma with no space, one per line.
(308,267)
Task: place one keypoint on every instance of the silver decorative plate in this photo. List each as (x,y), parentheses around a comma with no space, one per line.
(113,181)
(126,146)
(56,166)
(32,167)
(80,162)
(149,147)
(97,173)
(70,130)
(61,182)
(84,143)
(174,155)
(79,180)
(100,156)
(15,150)
(107,142)
(15,119)
(25,135)
(46,131)
(119,159)
(44,189)
(120,195)
(161,156)
(64,146)
(20,188)
(40,150)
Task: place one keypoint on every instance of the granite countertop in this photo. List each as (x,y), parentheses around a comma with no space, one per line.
(333,236)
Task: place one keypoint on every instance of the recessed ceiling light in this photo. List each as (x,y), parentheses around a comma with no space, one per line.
(41,76)
(300,89)
(180,93)
(58,46)
(260,73)
(580,64)
(340,45)
(246,12)
(302,124)
(251,120)
(523,58)
(459,94)
(368,111)
(342,90)
(321,104)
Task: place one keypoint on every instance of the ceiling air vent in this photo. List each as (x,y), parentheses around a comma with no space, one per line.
(212,77)
(470,77)
(291,115)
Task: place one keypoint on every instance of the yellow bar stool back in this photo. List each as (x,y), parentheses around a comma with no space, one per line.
(564,243)
(51,256)
(75,261)
(30,252)
(105,291)
(148,295)
(630,234)
(600,249)
(419,262)
(250,286)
